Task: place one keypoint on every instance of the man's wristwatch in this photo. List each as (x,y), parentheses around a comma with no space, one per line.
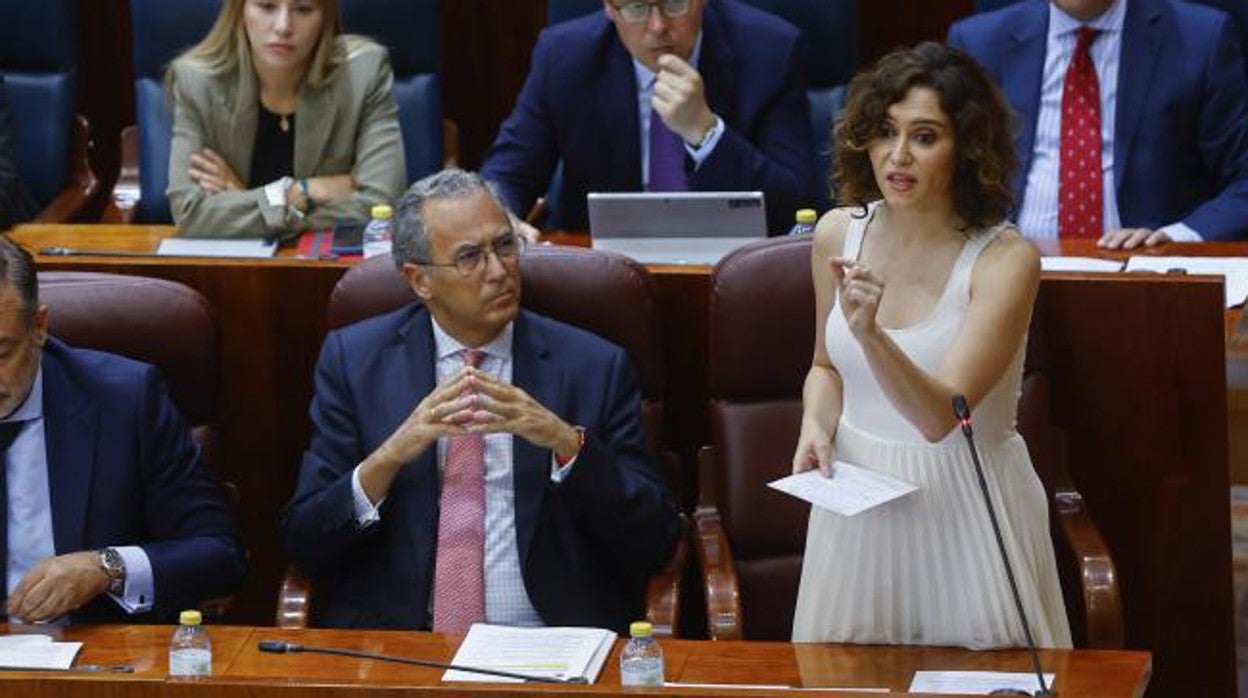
(115,567)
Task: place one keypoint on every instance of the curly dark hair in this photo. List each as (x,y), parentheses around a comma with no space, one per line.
(983,193)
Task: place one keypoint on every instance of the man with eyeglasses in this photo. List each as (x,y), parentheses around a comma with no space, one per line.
(472,461)
(661,95)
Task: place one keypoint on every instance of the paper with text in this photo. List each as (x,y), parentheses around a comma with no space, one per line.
(1233,269)
(1079,264)
(200,247)
(976,683)
(36,652)
(547,652)
(851,489)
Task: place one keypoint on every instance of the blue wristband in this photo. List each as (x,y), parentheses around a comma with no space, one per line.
(309,204)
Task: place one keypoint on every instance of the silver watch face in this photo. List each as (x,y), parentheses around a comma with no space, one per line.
(114,566)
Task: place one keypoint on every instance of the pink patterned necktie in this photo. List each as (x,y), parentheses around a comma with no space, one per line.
(459,576)
(1081,193)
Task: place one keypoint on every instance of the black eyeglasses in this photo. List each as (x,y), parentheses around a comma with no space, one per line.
(637,11)
(473,260)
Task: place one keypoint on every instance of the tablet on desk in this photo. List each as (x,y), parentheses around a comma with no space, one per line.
(676,227)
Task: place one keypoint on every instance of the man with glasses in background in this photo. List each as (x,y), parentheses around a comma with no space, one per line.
(661,95)
(472,461)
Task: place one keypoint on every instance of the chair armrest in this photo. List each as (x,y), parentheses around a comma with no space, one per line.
(450,144)
(1098,576)
(119,208)
(719,572)
(663,591)
(294,598)
(72,201)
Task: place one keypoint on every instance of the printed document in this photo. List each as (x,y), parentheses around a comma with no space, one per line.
(549,652)
(851,489)
(1233,269)
(1079,264)
(36,652)
(257,248)
(976,683)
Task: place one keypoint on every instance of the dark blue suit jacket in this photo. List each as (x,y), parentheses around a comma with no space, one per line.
(16,205)
(1181,130)
(579,104)
(123,470)
(587,546)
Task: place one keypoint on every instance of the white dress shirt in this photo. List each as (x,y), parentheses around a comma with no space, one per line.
(506,599)
(645,90)
(29,509)
(1038,215)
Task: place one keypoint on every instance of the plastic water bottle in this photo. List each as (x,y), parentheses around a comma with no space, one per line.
(190,651)
(641,663)
(805,222)
(378,234)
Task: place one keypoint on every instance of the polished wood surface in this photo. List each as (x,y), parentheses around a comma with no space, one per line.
(1140,372)
(239,669)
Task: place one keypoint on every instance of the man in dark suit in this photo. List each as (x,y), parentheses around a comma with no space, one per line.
(110,511)
(15,202)
(1166,109)
(472,461)
(666,95)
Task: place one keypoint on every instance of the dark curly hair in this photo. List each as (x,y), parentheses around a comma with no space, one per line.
(983,193)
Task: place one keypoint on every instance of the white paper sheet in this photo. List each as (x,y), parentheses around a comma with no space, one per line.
(36,652)
(851,489)
(1079,264)
(199,247)
(979,683)
(548,652)
(1233,269)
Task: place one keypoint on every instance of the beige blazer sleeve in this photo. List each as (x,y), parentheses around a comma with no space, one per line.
(349,126)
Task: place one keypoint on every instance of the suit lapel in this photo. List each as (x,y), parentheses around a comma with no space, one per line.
(410,376)
(713,64)
(535,373)
(1024,72)
(617,102)
(312,128)
(71,425)
(1141,47)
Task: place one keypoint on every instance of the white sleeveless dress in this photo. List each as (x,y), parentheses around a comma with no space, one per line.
(925,569)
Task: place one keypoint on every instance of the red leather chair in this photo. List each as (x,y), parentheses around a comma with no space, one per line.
(605,293)
(749,538)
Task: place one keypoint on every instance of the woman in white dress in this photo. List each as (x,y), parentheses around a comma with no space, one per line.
(924,293)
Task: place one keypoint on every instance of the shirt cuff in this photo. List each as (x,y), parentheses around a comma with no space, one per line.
(275,191)
(559,473)
(366,513)
(1181,232)
(703,151)
(140,589)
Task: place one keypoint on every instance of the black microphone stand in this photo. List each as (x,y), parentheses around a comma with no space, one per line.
(963,413)
(283,647)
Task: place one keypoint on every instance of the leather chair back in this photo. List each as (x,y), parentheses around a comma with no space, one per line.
(159,322)
(604,293)
(411,29)
(760,330)
(39,60)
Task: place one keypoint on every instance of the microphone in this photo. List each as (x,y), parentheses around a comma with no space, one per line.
(963,413)
(283,647)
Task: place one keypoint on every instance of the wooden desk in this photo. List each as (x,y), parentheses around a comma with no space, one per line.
(1140,373)
(241,670)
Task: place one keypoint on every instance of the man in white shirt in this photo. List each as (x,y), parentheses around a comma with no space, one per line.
(1134,117)
(472,461)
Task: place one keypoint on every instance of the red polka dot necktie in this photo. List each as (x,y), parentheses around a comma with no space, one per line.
(1080,203)
(459,568)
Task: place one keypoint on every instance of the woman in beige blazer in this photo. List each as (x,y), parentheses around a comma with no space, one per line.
(270,72)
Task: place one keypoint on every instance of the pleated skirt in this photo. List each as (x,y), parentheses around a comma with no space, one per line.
(925,569)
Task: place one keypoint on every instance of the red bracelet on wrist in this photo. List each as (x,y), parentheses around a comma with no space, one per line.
(580,443)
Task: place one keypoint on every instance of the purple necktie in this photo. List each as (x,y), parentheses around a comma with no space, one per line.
(667,157)
(459,579)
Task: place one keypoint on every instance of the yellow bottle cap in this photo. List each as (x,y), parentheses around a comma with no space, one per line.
(382,211)
(190,618)
(806,215)
(640,628)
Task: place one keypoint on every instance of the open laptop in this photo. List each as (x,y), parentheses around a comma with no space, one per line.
(676,227)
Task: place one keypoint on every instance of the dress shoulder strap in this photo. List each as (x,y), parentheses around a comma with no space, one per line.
(857,230)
